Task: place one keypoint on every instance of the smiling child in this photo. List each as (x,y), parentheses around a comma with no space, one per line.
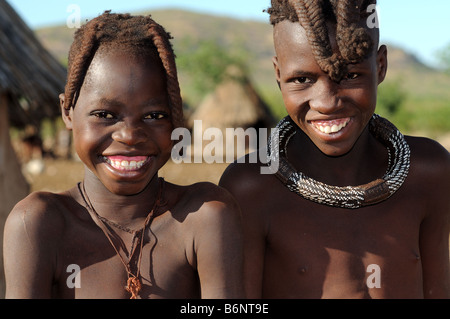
(356,210)
(123,231)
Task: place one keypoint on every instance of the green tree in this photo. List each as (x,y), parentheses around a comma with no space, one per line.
(205,63)
(391,97)
(443,56)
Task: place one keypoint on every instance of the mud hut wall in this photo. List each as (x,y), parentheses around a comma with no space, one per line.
(13,185)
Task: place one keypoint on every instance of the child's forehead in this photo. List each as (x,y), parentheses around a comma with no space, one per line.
(296,32)
(292,38)
(107,58)
(288,35)
(128,51)
(115,76)
(291,31)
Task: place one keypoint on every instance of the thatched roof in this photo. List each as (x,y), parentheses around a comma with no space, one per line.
(234,103)
(30,75)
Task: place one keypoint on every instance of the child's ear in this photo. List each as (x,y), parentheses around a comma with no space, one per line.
(277,70)
(382,63)
(66,113)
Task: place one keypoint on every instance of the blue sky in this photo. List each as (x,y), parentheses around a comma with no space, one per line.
(421,27)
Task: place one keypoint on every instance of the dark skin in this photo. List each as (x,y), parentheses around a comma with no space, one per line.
(192,248)
(296,248)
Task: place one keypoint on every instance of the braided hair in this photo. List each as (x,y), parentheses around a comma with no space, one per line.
(353,40)
(141,34)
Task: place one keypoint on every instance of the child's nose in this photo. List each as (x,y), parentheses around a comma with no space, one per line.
(325,98)
(129,134)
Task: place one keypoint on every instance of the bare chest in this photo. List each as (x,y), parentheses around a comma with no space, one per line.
(88,266)
(315,251)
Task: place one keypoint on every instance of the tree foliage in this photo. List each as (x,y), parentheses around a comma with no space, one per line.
(205,63)
(443,56)
(390,98)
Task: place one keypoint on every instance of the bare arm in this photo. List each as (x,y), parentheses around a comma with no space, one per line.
(435,227)
(434,247)
(218,248)
(243,188)
(27,250)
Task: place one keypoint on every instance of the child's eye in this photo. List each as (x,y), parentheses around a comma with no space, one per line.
(302,80)
(156,115)
(351,76)
(103,114)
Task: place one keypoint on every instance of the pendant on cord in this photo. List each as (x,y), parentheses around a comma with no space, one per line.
(133,286)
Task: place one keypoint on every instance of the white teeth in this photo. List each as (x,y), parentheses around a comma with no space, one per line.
(327,129)
(125,165)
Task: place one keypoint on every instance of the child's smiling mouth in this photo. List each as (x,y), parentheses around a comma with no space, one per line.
(126,163)
(330,126)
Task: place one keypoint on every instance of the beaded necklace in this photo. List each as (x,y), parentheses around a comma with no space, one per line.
(347,196)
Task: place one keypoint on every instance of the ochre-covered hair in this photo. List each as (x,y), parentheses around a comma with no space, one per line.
(139,33)
(352,37)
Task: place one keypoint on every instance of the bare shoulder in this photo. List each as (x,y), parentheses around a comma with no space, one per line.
(255,191)
(203,200)
(429,158)
(34,230)
(203,192)
(40,215)
(244,177)
(207,224)
(429,176)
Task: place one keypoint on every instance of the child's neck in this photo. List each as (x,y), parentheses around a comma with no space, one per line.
(365,162)
(127,210)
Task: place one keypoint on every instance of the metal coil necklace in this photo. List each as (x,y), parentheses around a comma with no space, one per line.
(347,196)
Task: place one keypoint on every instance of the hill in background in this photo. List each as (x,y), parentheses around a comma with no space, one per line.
(423,94)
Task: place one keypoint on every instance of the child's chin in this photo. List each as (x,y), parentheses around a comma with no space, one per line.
(126,190)
(334,151)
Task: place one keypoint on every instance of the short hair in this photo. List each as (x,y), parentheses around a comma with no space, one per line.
(353,40)
(140,34)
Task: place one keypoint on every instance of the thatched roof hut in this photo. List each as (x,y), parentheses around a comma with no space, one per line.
(30,81)
(234,103)
(30,77)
